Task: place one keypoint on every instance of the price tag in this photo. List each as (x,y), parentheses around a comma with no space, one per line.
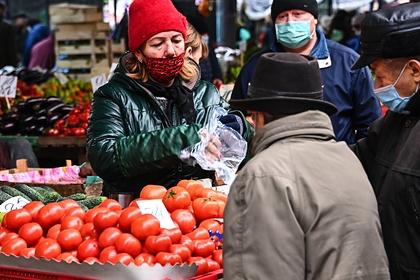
(61,78)
(8,86)
(111,71)
(13,203)
(157,209)
(98,81)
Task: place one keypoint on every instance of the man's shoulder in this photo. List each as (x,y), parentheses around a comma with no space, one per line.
(338,50)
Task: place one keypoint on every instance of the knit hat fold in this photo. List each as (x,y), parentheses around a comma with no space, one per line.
(279,6)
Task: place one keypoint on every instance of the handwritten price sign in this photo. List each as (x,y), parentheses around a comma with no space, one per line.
(13,203)
(156,208)
(98,81)
(8,86)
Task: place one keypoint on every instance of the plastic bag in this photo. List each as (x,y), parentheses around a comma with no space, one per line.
(231,145)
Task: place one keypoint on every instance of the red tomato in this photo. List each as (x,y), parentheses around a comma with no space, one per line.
(91,260)
(124,258)
(221,196)
(184,183)
(199,233)
(182,251)
(3,233)
(153,192)
(14,246)
(108,237)
(127,243)
(31,233)
(69,239)
(203,267)
(212,264)
(108,255)
(75,212)
(185,220)
(68,222)
(33,208)
(27,253)
(203,248)
(68,203)
(145,258)
(218,257)
(206,208)
(144,226)
(194,188)
(186,241)
(67,257)
(175,234)
(47,249)
(207,193)
(111,204)
(168,258)
(88,248)
(50,215)
(16,218)
(105,220)
(128,215)
(176,198)
(54,231)
(9,236)
(88,231)
(210,224)
(155,244)
(91,214)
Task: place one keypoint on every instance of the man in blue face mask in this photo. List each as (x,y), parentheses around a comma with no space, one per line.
(295,27)
(390,154)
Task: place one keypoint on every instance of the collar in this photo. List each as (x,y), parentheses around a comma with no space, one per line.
(307,125)
(320,50)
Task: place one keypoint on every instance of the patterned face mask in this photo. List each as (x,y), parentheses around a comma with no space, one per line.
(164,70)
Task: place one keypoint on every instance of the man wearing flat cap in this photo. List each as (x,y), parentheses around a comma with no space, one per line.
(302,208)
(390,154)
(350,91)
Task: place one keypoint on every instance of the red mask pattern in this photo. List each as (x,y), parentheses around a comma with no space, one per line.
(164,70)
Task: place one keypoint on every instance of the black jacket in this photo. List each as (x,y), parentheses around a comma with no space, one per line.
(390,155)
(8,51)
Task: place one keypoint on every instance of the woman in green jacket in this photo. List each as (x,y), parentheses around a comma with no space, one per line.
(145,115)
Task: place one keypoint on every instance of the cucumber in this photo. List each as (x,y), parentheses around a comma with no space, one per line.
(15,192)
(92,201)
(4,196)
(52,197)
(82,206)
(30,192)
(47,188)
(77,196)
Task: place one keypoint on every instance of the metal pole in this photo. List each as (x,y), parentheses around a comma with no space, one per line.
(226,23)
(330,7)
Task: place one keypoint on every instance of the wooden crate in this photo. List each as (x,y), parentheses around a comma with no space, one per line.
(74,13)
(117,49)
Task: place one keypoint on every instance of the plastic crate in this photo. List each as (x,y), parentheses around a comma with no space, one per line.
(214,275)
(7,273)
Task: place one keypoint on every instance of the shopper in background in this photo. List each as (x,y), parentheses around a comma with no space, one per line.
(20,21)
(351,91)
(390,153)
(302,207)
(8,54)
(43,54)
(145,115)
(37,32)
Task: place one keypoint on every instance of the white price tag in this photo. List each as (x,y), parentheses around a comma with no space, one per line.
(61,78)
(8,86)
(13,203)
(98,81)
(157,209)
(111,71)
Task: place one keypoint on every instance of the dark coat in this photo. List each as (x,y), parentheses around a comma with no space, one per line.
(8,50)
(390,155)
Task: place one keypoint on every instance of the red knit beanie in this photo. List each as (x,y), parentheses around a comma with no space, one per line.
(146,18)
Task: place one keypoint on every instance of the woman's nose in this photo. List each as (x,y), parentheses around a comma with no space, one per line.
(170,50)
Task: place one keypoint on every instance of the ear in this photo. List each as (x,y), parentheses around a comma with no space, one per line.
(139,55)
(259,119)
(415,67)
(188,52)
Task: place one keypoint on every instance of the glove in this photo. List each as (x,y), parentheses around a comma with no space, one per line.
(233,121)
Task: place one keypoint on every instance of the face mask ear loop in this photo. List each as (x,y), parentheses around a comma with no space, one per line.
(400,75)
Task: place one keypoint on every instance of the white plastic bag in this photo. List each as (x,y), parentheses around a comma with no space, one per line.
(231,145)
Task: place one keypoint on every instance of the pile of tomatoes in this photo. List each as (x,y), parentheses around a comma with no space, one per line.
(110,234)
(75,124)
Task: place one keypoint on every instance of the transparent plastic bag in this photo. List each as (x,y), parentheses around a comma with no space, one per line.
(231,146)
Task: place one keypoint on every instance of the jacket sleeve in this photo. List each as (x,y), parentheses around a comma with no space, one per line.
(262,216)
(366,105)
(113,154)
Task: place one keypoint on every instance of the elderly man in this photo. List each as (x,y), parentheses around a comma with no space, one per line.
(302,207)
(390,153)
(350,91)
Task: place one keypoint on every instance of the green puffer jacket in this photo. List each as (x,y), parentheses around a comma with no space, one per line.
(131,142)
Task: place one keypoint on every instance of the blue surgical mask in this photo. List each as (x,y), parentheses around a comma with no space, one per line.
(390,98)
(294,34)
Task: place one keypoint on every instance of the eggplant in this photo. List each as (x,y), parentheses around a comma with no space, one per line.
(28,120)
(41,120)
(54,108)
(39,130)
(53,118)
(30,130)
(34,104)
(12,117)
(9,128)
